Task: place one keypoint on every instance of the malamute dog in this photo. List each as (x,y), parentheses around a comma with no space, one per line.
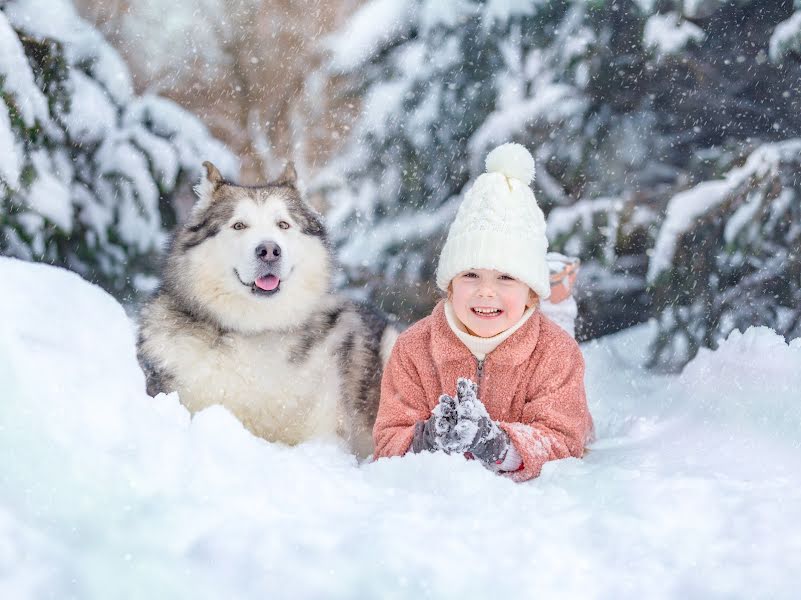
(245,317)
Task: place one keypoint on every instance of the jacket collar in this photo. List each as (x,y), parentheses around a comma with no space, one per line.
(514,350)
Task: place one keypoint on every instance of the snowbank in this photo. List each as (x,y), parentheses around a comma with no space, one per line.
(756,381)
(107,493)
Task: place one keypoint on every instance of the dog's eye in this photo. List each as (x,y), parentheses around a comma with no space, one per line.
(283,224)
(239,225)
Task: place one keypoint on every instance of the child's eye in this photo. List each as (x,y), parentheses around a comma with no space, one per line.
(470,274)
(507,278)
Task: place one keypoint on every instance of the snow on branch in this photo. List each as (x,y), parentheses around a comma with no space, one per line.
(668,34)
(89,170)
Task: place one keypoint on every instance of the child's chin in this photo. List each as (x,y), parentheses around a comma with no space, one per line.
(484,330)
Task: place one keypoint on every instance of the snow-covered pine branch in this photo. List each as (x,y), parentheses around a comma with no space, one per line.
(728,256)
(90,170)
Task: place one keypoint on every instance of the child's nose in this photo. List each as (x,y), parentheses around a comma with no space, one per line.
(486,290)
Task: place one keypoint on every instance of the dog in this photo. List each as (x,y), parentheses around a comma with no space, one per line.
(245,317)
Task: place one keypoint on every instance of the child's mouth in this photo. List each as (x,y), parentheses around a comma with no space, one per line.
(486,312)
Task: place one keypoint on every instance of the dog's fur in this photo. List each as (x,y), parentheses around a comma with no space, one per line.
(292,364)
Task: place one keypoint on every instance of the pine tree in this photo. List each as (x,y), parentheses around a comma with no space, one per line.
(90,171)
(625,103)
(425,72)
(729,256)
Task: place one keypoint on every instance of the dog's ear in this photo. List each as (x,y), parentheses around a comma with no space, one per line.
(213,174)
(288,176)
(207,186)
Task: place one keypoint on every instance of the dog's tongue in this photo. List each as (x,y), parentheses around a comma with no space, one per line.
(268,283)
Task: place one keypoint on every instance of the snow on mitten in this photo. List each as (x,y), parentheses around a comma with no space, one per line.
(475,431)
(431,434)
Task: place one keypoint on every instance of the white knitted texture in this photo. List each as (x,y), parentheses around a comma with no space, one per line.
(498,226)
(500,203)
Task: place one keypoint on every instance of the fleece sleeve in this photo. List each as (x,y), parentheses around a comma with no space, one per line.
(555,421)
(402,405)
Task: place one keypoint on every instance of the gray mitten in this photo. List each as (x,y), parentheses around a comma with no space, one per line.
(490,444)
(431,434)
(475,431)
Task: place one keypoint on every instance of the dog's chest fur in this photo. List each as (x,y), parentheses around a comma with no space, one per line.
(254,378)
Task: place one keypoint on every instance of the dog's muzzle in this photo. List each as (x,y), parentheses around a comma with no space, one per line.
(264,285)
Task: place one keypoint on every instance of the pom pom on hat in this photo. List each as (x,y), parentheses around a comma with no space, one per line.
(512,160)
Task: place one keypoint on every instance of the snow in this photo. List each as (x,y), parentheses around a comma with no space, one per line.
(742,217)
(168,40)
(681,213)
(190,137)
(502,11)
(562,313)
(765,160)
(693,488)
(550,103)
(10,167)
(161,155)
(668,34)
(92,213)
(372,240)
(645,6)
(786,38)
(686,206)
(48,196)
(584,215)
(83,44)
(372,26)
(756,362)
(18,79)
(92,115)
(448,14)
(381,103)
(102,160)
(700,9)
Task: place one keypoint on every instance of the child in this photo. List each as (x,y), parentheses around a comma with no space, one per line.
(487,374)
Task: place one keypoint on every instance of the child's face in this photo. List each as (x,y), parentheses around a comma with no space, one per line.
(488,302)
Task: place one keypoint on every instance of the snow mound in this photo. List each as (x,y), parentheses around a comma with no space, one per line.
(752,380)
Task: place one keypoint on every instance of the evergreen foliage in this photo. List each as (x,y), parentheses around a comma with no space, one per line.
(734,264)
(90,171)
(626,104)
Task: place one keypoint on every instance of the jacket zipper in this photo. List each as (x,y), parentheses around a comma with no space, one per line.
(479,375)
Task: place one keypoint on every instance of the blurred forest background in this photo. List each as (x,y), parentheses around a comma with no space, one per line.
(667,135)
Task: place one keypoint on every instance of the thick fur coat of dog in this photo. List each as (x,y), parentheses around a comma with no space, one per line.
(245,317)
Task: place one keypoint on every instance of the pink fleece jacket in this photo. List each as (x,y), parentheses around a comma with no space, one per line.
(532,384)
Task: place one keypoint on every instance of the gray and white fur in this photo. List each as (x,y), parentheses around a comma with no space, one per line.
(245,317)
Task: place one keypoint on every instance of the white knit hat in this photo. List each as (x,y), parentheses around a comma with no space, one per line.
(499,225)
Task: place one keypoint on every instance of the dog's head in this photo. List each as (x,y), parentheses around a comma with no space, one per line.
(250,258)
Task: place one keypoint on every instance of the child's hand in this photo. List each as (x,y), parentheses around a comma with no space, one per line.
(444,415)
(432,434)
(466,390)
(475,431)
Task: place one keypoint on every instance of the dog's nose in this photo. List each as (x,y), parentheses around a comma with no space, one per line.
(268,252)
